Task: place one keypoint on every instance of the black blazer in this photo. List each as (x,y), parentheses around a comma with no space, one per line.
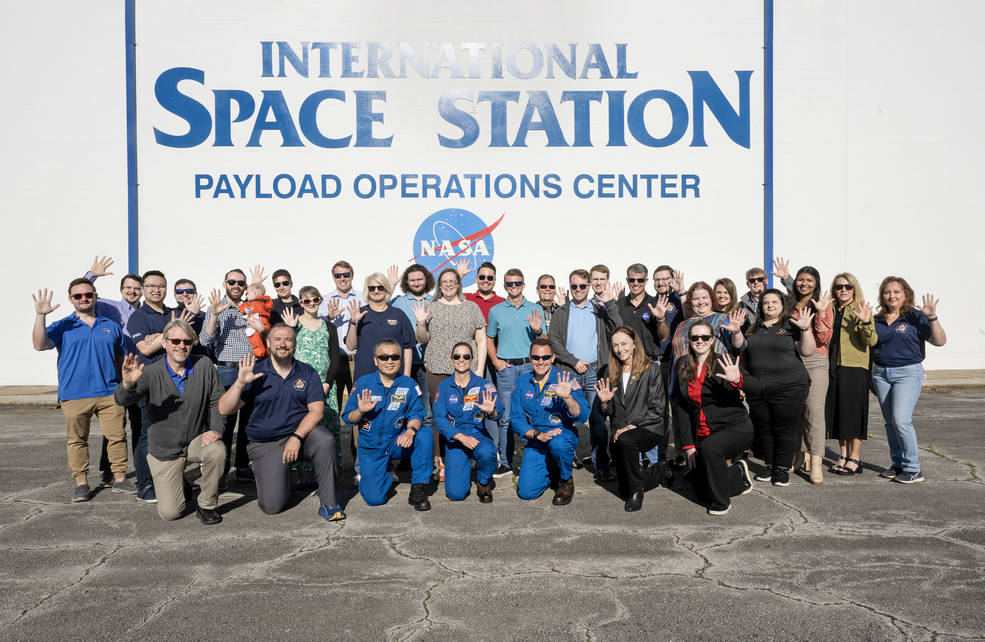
(721,402)
(641,404)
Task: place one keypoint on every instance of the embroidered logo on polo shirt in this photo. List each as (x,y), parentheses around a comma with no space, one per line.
(646,316)
(901,328)
(670,307)
(299,384)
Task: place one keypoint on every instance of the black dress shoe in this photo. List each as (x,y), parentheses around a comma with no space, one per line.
(484,492)
(418,498)
(208,516)
(635,502)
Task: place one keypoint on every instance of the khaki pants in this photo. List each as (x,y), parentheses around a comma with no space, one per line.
(78,417)
(169,477)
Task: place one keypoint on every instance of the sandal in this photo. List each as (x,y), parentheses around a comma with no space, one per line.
(839,468)
(850,471)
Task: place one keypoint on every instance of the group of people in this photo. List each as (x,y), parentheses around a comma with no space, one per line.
(693,377)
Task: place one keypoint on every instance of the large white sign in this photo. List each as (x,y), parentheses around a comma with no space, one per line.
(547,136)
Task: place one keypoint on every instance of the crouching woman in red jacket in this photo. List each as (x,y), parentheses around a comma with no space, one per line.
(720,425)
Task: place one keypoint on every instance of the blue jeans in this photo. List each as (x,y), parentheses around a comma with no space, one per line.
(505,382)
(898,390)
(598,435)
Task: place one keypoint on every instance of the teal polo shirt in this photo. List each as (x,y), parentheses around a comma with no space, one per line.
(508,323)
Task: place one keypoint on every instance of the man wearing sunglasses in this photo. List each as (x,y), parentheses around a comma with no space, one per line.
(285,300)
(335,310)
(547,299)
(579,336)
(90,348)
(224,333)
(180,394)
(385,407)
(546,405)
(635,310)
(484,297)
(756,280)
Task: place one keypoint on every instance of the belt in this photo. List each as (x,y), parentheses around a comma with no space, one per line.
(517,362)
(228,364)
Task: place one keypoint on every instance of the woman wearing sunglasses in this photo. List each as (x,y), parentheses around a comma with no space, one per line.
(376,321)
(847,403)
(317,344)
(709,388)
(463,402)
(775,346)
(631,393)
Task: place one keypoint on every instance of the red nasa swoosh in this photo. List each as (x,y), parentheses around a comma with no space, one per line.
(481,234)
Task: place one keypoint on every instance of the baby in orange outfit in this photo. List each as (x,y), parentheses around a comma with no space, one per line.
(257,306)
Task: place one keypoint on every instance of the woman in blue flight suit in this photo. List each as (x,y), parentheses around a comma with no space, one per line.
(463,401)
(544,408)
(386,408)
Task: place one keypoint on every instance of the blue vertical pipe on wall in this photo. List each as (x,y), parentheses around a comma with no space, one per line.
(768,139)
(131,71)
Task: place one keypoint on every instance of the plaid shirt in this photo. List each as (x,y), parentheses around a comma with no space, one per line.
(229,343)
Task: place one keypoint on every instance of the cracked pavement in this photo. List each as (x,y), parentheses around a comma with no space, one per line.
(856,558)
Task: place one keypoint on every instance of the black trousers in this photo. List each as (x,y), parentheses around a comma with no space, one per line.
(625,452)
(775,415)
(713,479)
(273,476)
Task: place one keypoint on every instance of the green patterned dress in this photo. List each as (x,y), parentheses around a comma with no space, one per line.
(312,349)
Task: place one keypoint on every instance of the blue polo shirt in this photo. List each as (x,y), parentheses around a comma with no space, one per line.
(902,342)
(395,406)
(508,324)
(179,380)
(375,326)
(406,304)
(144,322)
(87,357)
(534,407)
(583,335)
(455,408)
(280,403)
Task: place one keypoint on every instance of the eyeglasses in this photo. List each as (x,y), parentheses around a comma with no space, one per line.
(388,357)
(634,280)
(84,295)
(313,301)
(662,279)
(240,283)
(843,286)
(578,286)
(178,342)
(700,338)
(461,357)
(538,357)
(155,286)
(513,284)
(282,284)
(342,275)
(184,290)
(757,279)
(375,288)
(485,277)
(546,287)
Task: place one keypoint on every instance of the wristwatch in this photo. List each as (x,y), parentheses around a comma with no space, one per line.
(536,433)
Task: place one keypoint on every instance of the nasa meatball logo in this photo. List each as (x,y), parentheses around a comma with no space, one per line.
(646,316)
(453,234)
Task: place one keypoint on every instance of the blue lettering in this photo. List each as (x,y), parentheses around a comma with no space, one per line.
(290,181)
(307,187)
(242,184)
(365,117)
(578,179)
(690,183)
(324,62)
(350,57)
(284,52)
(378,59)
(308,119)
(330,178)
(596,60)
(459,118)
(223,187)
(678,112)
(273,102)
(202,182)
(223,110)
(617,122)
(266,62)
(567,64)
(190,110)
(707,92)
(582,106)
(540,102)
(497,105)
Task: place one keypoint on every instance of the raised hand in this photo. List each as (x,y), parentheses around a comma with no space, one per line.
(257,275)
(246,375)
(332,308)
(216,304)
(615,290)
(536,321)
(463,267)
(132,369)
(804,318)
(185,315)
(730,369)
(604,391)
(563,385)
(488,403)
(355,312)
(393,273)
(195,306)
(421,312)
(678,281)
(863,311)
(660,309)
(366,401)
(736,319)
(100,266)
(781,267)
(290,317)
(823,302)
(42,302)
(929,307)
(560,295)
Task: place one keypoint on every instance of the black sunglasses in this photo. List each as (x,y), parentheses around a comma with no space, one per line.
(184,290)
(538,357)
(757,279)
(546,287)
(375,288)
(84,295)
(461,357)
(342,275)
(178,342)
(241,284)
(513,284)
(634,280)
(700,338)
(282,284)
(578,286)
(388,357)
(843,286)
(486,277)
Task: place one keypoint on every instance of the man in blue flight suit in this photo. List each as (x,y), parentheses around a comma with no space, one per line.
(545,407)
(386,408)
(463,402)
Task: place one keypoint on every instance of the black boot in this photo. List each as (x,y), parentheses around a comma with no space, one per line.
(418,498)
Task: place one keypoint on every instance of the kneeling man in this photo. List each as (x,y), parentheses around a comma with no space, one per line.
(386,408)
(288,404)
(181,394)
(544,409)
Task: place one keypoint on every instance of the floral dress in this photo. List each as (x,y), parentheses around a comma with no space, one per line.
(312,349)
